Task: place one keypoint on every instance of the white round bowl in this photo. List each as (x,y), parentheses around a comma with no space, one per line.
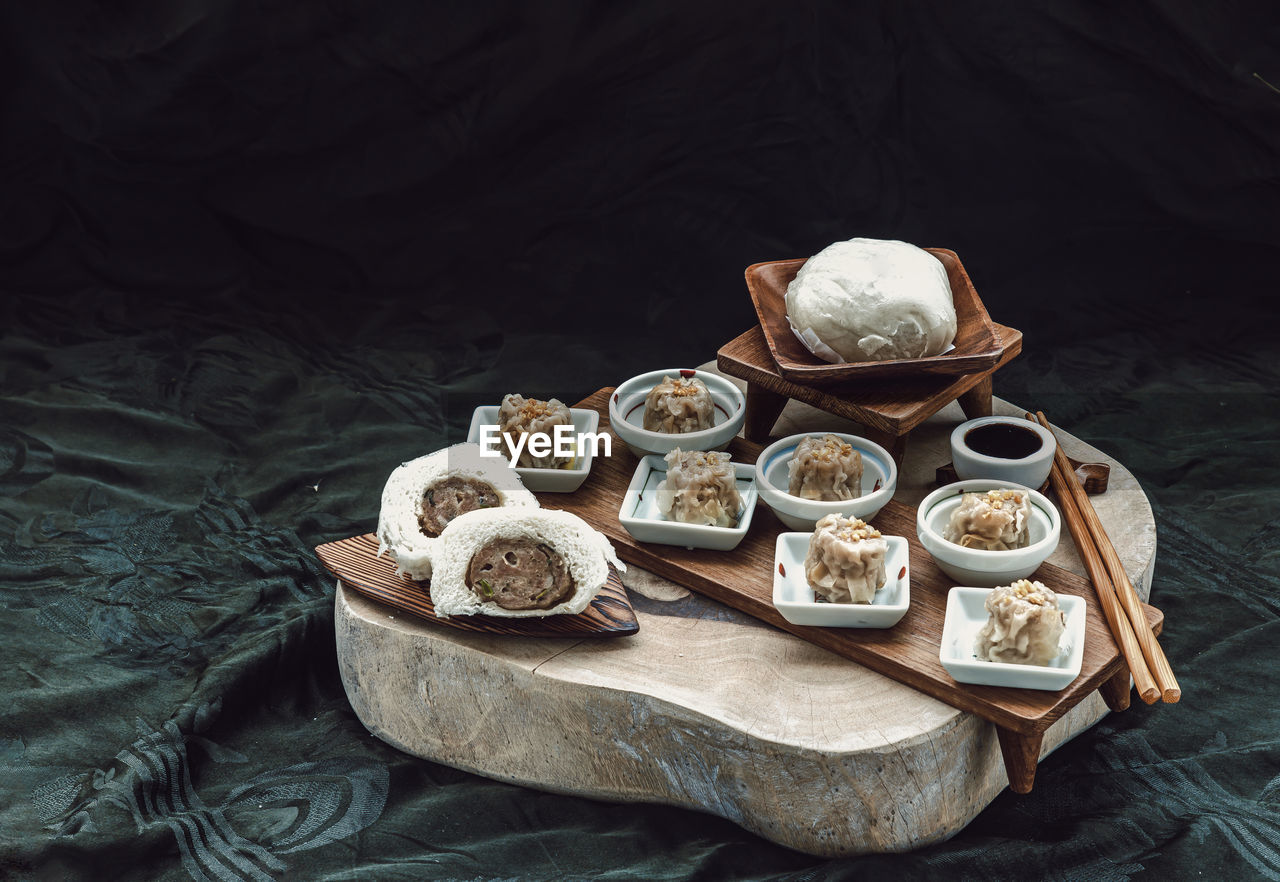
(879,480)
(626,414)
(978,567)
(1029,471)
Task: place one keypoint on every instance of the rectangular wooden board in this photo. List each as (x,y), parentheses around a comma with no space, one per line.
(908,652)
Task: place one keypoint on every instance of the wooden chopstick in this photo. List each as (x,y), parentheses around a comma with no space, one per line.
(1128,597)
(1121,628)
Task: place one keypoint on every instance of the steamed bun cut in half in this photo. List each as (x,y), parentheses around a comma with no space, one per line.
(992,521)
(518,416)
(423,496)
(516,562)
(872,300)
(700,488)
(845,563)
(825,468)
(678,405)
(1024,625)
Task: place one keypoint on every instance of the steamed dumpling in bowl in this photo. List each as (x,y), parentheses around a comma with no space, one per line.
(678,405)
(997,520)
(825,468)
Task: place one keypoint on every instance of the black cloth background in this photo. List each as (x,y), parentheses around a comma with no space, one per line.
(254,255)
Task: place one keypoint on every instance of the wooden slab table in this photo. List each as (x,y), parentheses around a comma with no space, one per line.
(708,708)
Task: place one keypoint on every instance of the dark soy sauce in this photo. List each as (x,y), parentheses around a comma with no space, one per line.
(1002,440)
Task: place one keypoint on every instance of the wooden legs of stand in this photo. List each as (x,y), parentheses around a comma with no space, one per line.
(1021,753)
(763,409)
(1115,692)
(977,401)
(764,406)
(895,444)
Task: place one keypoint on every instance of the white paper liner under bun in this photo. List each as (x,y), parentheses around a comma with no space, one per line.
(586,552)
(402,497)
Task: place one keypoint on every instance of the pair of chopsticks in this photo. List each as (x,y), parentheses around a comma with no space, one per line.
(1152,676)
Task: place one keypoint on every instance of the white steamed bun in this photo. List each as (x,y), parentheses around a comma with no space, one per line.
(872,300)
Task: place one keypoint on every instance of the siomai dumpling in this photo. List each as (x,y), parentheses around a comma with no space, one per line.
(519,416)
(992,521)
(825,468)
(678,405)
(1024,625)
(845,563)
(700,488)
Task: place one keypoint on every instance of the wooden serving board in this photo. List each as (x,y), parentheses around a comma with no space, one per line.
(355,562)
(908,653)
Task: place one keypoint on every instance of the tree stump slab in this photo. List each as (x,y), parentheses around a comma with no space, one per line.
(708,708)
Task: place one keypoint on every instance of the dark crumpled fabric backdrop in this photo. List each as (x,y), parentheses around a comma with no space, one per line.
(252,256)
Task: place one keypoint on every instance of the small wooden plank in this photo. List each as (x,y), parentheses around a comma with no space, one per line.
(976,347)
(908,653)
(355,562)
(893,408)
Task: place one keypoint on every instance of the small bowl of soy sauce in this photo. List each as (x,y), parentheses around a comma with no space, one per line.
(1003,448)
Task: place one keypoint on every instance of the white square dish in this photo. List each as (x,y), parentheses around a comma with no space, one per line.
(545,480)
(965,617)
(795,599)
(640,517)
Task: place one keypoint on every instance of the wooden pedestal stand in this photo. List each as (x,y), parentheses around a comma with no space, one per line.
(888,410)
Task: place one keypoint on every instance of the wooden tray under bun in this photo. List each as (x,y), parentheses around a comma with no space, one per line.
(977,345)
